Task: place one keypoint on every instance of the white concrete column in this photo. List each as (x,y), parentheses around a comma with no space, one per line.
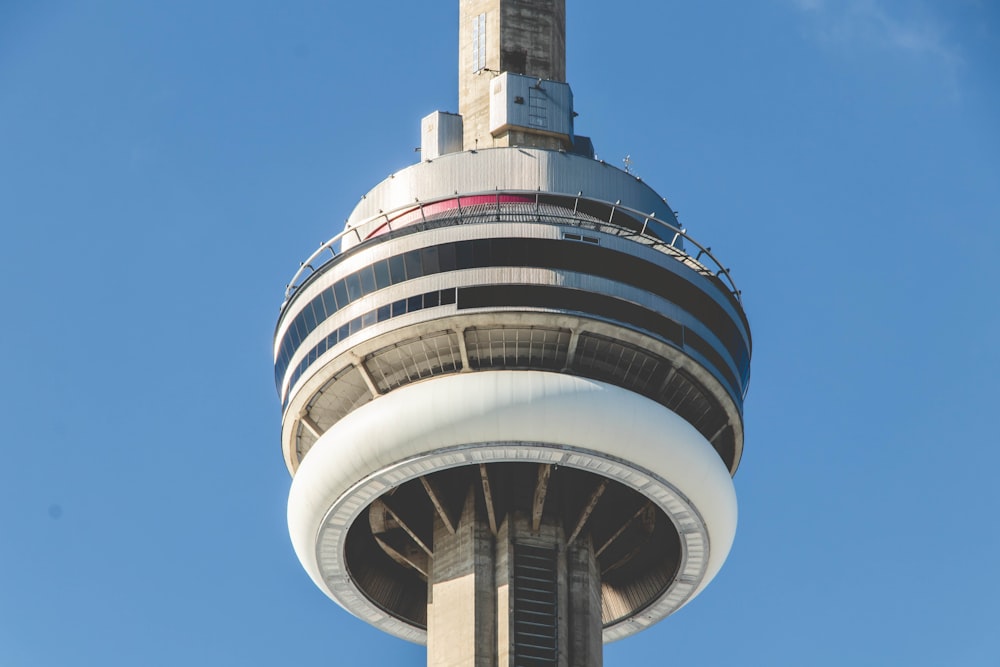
(461,604)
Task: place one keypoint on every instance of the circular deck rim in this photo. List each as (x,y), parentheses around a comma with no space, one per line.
(529,416)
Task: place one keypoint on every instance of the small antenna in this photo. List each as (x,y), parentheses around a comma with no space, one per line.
(628,163)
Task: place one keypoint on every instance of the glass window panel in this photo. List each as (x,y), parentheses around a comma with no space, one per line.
(320,307)
(502,252)
(414,303)
(463,255)
(429,260)
(447,296)
(340,291)
(481,252)
(397,272)
(383,314)
(329,303)
(308,318)
(367,280)
(412,261)
(446,257)
(382,274)
(353,287)
(368,319)
(398,308)
(354,325)
(430,299)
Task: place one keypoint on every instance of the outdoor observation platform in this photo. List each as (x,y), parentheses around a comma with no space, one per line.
(510,272)
(536,245)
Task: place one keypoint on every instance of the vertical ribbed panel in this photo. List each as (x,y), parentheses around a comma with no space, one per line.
(607,359)
(535,602)
(517,347)
(414,359)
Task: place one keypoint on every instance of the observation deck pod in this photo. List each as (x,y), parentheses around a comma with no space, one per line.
(528,337)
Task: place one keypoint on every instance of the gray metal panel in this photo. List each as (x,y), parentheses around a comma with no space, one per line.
(530,103)
(510,169)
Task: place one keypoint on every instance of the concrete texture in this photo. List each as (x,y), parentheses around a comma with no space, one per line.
(523,37)
(461,600)
(473,593)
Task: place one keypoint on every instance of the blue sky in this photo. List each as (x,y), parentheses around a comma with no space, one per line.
(164,167)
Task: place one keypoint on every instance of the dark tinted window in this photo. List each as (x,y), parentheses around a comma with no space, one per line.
(308,318)
(340,291)
(463,255)
(397,272)
(428,300)
(544,253)
(367,276)
(429,260)
(446,257)
(329,302)
(382,274)
(353,287)
(412,261)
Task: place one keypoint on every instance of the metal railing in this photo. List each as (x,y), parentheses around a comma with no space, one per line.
(413,216)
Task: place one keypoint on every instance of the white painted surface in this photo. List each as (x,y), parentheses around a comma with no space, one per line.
(532,104)
(513,169)
(440,134)
(511,416)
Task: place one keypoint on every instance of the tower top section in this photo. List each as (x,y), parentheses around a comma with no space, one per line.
(519,36)
(522,43)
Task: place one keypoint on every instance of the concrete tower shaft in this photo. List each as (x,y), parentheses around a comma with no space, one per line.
(519,37)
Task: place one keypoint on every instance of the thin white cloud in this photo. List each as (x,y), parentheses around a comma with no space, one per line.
(910,28)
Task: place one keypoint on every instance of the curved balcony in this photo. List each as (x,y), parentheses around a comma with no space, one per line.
(483,207)
(514,281)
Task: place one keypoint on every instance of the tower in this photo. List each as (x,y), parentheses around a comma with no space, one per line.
(512,386)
